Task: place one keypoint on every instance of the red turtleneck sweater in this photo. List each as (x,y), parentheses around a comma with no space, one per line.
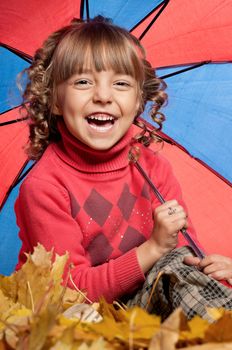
(96,206)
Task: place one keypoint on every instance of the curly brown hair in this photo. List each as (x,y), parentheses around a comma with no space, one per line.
(64,53)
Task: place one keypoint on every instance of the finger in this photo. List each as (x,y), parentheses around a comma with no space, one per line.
(191,260)
(214,258)
(175,234)
(176,210)
(165,206)
(223,274)
(214,268)
(179,223)
(229,280)
(172,202)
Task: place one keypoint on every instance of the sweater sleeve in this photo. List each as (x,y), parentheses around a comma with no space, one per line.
(163,177)
(44,216)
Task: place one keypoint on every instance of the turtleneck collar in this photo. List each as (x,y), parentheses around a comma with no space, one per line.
(86,159)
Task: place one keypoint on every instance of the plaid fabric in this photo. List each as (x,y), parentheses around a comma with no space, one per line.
(171,284)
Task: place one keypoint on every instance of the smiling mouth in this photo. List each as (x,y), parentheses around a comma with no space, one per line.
(101,122)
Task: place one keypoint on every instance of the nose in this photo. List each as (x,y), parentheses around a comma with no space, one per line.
(102,94)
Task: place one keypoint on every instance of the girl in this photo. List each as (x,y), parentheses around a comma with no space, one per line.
(87,86)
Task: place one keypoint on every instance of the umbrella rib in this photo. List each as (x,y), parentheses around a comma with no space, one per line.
(82,6)
(171,141)
(19,53)
(184,70)
(10,109)
(18,178)
(163,6)
(22,176)
(87,9)
(13,121)
(144,18)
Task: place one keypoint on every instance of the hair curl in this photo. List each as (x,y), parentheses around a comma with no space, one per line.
(60,57)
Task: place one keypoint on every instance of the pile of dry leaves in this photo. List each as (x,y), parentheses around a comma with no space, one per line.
(38,312)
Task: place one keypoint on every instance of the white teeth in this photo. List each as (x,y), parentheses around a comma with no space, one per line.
(100,117)
(101,128)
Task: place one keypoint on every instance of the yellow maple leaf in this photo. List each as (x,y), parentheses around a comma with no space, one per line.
(6,304)
(33,299)
(209,346)
(9,287)
(57,277)
(71,297)
(99,344)
(168,334)
(109,329)
(17,322)
(34,278)
(39,281)
(197,328)
(142,324)
(41,326)
(135,330)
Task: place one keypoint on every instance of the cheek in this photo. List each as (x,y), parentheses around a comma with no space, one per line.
(70,106)
(66,100)
(134,106)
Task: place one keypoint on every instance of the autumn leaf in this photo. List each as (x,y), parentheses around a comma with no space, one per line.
(2,345)
(168,335)
(71,297)
(35,306)
(35,279)
(16,324)
(98,344)
(197,328)
(6,306)
(40,327)
(142,324)
(210,346)
(9,287)
(136,329)
(57,277)
(221,330)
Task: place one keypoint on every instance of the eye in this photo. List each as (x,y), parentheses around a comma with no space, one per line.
(82,83)
(122,84)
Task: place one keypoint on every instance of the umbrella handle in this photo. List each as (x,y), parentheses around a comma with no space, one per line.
(192,244)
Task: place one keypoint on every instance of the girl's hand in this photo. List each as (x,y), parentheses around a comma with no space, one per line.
(169,219)
(216,266)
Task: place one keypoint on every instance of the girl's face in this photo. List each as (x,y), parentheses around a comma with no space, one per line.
(98,107)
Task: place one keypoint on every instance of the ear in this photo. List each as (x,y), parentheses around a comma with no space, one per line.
(139,102)
(56,110)
(137,105)
(139,108)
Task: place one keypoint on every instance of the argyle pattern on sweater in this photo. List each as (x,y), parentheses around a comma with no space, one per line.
(99,209)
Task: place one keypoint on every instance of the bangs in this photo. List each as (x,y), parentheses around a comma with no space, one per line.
(99,47)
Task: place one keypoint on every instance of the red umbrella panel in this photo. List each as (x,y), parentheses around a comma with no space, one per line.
(190,43)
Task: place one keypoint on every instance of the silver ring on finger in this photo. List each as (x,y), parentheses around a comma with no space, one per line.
(171,210)
(175,234)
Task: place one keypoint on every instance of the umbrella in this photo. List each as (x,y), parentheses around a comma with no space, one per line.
(189,44)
